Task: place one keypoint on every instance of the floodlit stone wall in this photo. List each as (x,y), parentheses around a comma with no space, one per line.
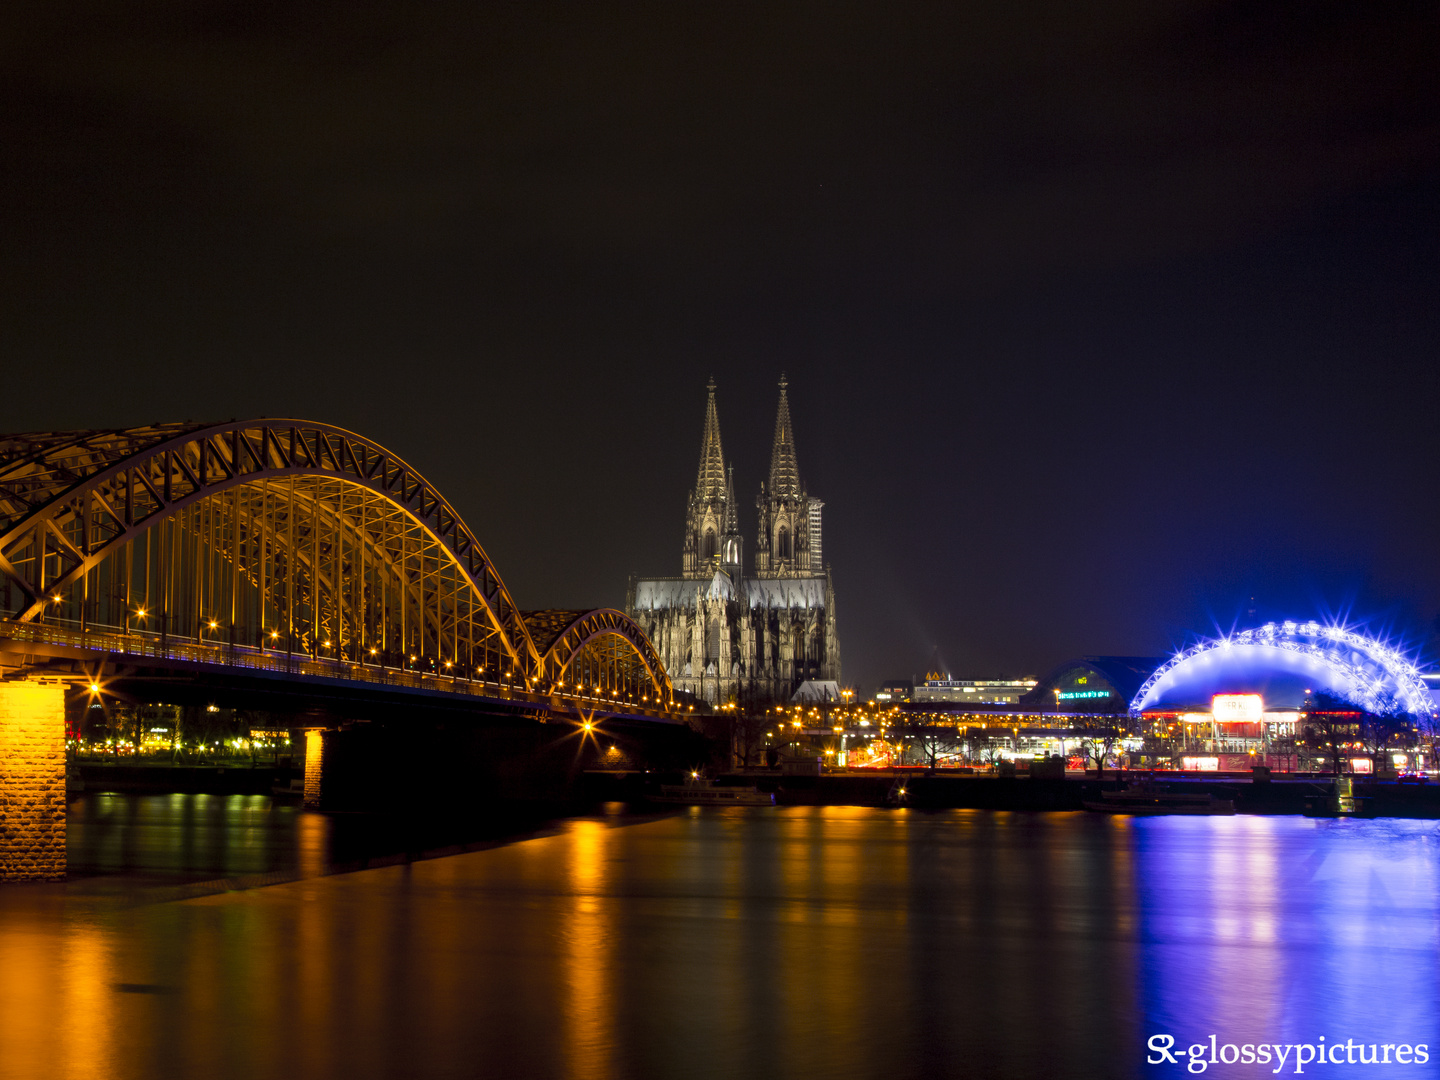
(314,768)
(32,780)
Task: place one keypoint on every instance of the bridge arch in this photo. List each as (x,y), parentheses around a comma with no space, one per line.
(602,650)
(287,528)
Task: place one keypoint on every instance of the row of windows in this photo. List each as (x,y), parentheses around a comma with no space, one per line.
(708,547)
(712,641)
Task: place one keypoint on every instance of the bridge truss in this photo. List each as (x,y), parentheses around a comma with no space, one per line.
(602,651)
(279,537)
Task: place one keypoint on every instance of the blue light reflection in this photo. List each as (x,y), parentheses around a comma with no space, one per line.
(1281,930)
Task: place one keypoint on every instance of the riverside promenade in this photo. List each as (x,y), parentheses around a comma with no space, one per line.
(1281,794)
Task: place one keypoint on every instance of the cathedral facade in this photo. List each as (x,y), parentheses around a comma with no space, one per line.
(731,637)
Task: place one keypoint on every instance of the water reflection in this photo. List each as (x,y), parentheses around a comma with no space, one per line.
(257,839)
(1284,930)
(796,942)
(183,835)
(589,1026)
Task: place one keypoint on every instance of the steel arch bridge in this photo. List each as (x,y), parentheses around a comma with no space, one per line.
(261,539)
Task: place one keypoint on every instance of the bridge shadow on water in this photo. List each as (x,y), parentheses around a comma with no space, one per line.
(158,847)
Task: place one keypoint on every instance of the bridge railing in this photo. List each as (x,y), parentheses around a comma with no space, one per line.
(147,645)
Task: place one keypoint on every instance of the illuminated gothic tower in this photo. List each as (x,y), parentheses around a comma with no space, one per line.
(789,540)
(712,531)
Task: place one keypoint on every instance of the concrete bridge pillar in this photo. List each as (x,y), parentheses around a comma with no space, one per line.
(32,780)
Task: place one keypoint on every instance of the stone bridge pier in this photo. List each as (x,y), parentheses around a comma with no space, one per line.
(314,769)
(32,780)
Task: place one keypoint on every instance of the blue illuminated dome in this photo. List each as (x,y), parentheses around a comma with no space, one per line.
(1282,662)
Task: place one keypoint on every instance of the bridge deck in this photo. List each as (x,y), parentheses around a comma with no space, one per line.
(101,642)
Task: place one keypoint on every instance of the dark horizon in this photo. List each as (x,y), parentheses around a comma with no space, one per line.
(1097,323)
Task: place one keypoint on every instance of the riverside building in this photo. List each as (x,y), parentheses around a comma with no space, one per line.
(939,686)
(1242,699)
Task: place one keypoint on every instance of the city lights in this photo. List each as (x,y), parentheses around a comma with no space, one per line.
(1371,673)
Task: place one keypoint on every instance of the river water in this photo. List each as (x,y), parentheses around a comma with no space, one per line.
(785,942)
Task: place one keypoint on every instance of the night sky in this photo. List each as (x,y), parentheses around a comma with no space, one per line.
(1099,318)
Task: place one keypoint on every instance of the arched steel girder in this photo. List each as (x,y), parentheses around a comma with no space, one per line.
(601,623)
(116,485)
(378,553)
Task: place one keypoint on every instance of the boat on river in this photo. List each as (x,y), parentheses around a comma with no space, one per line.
(698,791)
(1145,798)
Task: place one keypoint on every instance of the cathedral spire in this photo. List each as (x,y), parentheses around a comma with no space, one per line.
(732,521)
(712,539)
(784,469)
(710,481)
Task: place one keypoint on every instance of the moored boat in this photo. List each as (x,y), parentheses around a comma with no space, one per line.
(1145,798)
(698,792)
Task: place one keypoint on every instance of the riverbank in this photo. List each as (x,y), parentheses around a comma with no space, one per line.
(925,791)
(940,791)
(943,791)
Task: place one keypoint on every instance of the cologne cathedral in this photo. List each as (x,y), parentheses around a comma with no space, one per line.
(750,639)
